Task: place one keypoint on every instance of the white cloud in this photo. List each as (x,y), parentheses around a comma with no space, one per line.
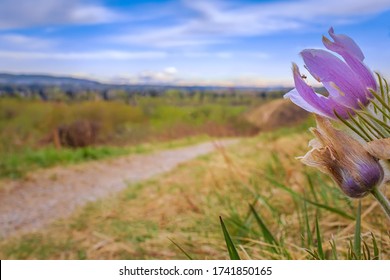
(213,22)
(176,36)
(27,13)
(224,54)
(170,70)
(168,75)
(259,55)
(279,14)
(92,14)
(191,24)
(13,40)
(98,55)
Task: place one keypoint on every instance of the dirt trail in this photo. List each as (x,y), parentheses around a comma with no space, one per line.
(54,193)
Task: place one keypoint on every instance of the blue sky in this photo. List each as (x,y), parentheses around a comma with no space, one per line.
(207,42)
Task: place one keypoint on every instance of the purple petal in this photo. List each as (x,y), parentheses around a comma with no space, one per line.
(342,43)
(305,97)
(353,56)
(343,84)
(298,100)
(362,71)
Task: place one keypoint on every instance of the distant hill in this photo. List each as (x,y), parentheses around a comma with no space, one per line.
(32,79)
(26,79)
(275,114)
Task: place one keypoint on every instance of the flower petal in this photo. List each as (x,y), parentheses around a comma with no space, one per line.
(298,100)
(379,148)
(353,56)
(305,97)
(332,71)
(342,43)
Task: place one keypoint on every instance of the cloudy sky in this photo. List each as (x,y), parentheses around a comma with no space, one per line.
(214,42)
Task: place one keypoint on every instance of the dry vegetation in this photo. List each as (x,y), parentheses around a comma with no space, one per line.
(184,206)
(276,114)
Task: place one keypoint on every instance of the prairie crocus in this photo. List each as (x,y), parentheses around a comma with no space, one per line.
(347,81)
(345,159)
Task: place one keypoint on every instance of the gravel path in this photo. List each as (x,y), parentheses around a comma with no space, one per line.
(47,195)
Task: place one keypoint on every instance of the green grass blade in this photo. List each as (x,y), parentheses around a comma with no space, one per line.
(181,249)
(320,250)
(357,239)
(309,235)
(334,249)
(269,238)
(376,249)
(331,209)
(319,205)
(313,254)
(311,185)
(229,243)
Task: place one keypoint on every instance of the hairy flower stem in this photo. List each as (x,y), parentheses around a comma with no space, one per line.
(381,198)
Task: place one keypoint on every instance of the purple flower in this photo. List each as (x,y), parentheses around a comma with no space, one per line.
(347,82)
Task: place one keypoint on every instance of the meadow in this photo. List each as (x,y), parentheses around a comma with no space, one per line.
(253,200)
(29,128)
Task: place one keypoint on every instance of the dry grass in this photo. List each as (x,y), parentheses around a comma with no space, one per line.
(275,114)
(184,206)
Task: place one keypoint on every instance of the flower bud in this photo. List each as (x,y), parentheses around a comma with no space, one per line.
(345,159)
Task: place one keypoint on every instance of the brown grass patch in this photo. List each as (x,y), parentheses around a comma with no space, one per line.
(275,114)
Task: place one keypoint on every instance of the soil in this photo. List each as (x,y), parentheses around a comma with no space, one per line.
(47,195)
